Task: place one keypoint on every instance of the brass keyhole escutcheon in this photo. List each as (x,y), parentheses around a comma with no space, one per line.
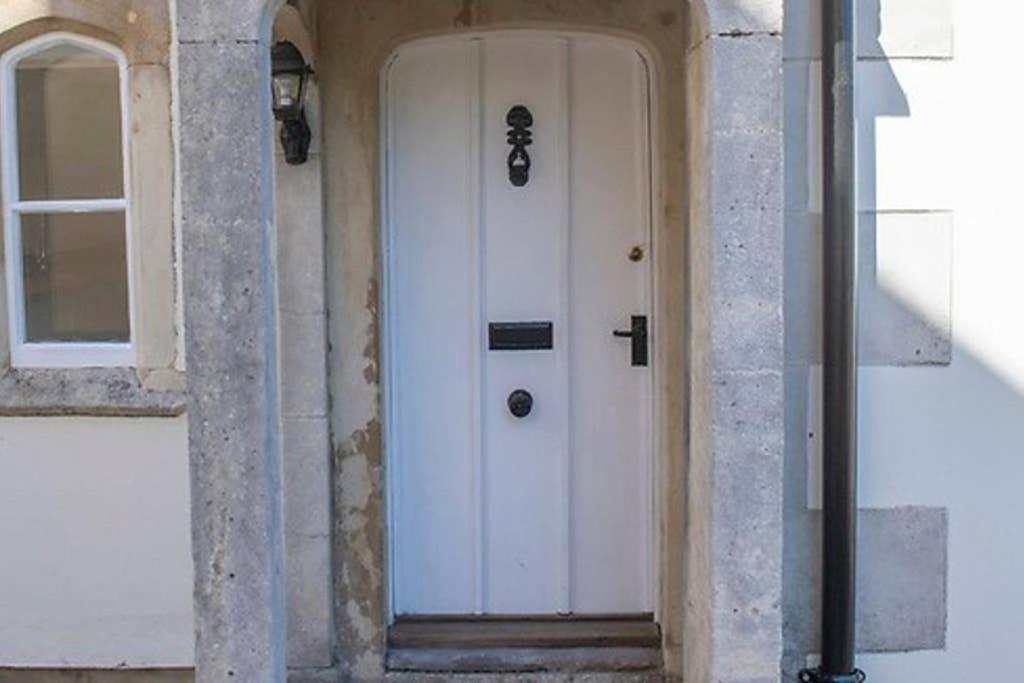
(636,254)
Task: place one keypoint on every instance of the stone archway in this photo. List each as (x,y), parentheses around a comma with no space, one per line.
(730,483)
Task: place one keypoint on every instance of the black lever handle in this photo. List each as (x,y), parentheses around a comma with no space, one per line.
(637,332)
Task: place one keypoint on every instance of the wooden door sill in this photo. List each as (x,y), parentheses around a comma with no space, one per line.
(524,643)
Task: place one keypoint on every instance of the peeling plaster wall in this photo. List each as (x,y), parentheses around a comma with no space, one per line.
(354,41)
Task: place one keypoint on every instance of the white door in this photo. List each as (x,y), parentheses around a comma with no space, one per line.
(498,282)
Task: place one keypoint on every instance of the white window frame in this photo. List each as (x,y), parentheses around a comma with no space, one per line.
(58,354)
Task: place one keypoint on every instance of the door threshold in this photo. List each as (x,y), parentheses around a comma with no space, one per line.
(524,643)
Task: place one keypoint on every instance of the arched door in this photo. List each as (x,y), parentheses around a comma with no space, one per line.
(518,299)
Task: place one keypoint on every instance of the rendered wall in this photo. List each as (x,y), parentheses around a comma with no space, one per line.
(940,395)
(95,567)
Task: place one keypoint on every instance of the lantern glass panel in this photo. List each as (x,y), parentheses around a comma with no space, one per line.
(287,95)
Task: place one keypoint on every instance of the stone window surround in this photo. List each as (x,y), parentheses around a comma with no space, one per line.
(155,385)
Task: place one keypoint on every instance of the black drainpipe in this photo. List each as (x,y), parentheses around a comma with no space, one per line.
(839,350)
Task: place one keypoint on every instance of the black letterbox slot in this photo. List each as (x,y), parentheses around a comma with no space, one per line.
(520,336)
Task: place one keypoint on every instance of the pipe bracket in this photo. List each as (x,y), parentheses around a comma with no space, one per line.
(819,676)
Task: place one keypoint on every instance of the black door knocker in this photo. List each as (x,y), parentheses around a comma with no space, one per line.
(519,119)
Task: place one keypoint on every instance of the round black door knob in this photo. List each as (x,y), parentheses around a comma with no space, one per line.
(520,403)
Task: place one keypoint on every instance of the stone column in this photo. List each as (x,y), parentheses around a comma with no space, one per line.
(737,406)
(226,212)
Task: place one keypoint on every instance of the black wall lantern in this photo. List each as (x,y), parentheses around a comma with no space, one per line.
(289,73)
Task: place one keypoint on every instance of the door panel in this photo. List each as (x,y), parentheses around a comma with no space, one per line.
(609,398)
(432,313)
(525,559)
(492,513)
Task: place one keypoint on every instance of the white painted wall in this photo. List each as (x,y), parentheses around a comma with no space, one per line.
(951,436)
(954,436)
(95,564)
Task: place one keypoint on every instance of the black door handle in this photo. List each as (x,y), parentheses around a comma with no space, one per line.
(520,403)
(637,332)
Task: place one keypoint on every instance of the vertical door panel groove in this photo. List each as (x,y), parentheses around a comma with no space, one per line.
(476,315)
(565,338)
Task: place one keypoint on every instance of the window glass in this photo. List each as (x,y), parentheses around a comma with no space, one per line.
(75,277)
(69,125)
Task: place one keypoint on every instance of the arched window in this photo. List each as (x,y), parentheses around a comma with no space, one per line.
(65,203)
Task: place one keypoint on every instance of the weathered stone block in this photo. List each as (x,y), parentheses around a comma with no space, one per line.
(304,363)
(224,21)
(300,237)
(747,443)
(905,288)
(229,112)
(744,16)
(309,600)
(747,324)
(745,143)
(901,581)
(306,474)
(305,455)
(152,172)
(750,99)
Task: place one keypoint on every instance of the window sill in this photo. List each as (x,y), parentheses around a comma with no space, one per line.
(97,392)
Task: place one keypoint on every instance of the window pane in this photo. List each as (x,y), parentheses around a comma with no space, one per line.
(69,125)
(75,277)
